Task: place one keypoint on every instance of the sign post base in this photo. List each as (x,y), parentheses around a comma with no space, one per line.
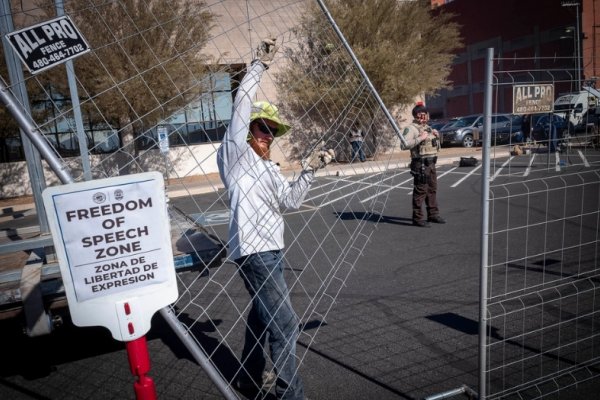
(139,362)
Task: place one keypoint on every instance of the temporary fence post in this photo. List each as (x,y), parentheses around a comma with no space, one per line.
(198,353)
(364,75)
(139,362)
(485,187)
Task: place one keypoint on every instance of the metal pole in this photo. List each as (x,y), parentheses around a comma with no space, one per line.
(485,187)
(47,152)
(81,138)
(31,131)
(578,48)
(32,157)
(362,71)
(198,354)
(576,3)
(464,389)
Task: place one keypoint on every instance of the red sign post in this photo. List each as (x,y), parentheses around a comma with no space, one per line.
(139,362)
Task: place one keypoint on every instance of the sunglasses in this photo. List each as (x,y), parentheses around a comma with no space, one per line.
(266,129)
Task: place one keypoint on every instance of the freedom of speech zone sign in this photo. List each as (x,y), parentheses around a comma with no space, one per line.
(113,241)
(47,44)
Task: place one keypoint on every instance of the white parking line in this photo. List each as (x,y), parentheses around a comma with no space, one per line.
(447,172)
(367,186)
(466,176)
(585,161)
(528,169)
(351,183)
(389,189)
(501,167)
(337,199)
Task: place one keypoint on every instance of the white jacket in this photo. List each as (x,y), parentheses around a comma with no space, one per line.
(257,190)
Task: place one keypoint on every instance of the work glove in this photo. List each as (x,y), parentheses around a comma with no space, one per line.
(319,158)
(265,52)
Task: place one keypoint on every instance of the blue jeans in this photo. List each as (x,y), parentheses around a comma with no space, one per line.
(357,150)
(553,140)
(271,313)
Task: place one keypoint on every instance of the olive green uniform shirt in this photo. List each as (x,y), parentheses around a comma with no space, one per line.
(420,148)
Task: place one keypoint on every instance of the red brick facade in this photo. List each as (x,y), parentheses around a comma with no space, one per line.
(516,29)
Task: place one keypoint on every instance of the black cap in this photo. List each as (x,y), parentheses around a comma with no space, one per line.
(420,107)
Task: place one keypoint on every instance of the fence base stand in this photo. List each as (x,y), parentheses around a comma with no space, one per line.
(464,389)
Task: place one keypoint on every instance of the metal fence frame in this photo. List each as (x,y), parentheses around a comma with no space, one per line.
(547,353)
(486,329)
(170,314)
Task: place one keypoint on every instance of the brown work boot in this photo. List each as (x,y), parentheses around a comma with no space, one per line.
(436,219)
(421,224)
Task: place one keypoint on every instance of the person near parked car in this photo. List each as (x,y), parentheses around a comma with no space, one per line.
(526,128)
(424,145)
(356,141)
(552,137)
(547,129)
(257,191)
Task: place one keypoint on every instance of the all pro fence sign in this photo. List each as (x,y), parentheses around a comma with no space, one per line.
(45,45)
(113,241)
(532,99)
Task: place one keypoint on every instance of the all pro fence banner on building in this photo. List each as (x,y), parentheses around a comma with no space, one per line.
(113,241)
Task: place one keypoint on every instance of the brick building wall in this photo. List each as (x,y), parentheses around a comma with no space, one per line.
(515,29)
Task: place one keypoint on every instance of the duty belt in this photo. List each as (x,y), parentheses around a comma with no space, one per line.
(426,160)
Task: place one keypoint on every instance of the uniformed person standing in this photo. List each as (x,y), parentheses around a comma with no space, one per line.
(424,144)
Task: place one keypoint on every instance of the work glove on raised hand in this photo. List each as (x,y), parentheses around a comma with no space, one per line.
(265,52)
(319,158)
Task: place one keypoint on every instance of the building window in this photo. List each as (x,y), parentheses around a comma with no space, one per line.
(202,121)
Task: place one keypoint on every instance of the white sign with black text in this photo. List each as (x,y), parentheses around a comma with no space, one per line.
(47,44)
(113,242)
(533,98)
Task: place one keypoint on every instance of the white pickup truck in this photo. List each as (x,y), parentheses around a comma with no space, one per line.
(578,108)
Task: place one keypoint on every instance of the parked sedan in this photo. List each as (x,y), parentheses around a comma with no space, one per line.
(463,131)
(467,131)
(506,128)
(541,126)
(438,124)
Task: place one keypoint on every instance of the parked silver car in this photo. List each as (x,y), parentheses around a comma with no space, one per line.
(467,131)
